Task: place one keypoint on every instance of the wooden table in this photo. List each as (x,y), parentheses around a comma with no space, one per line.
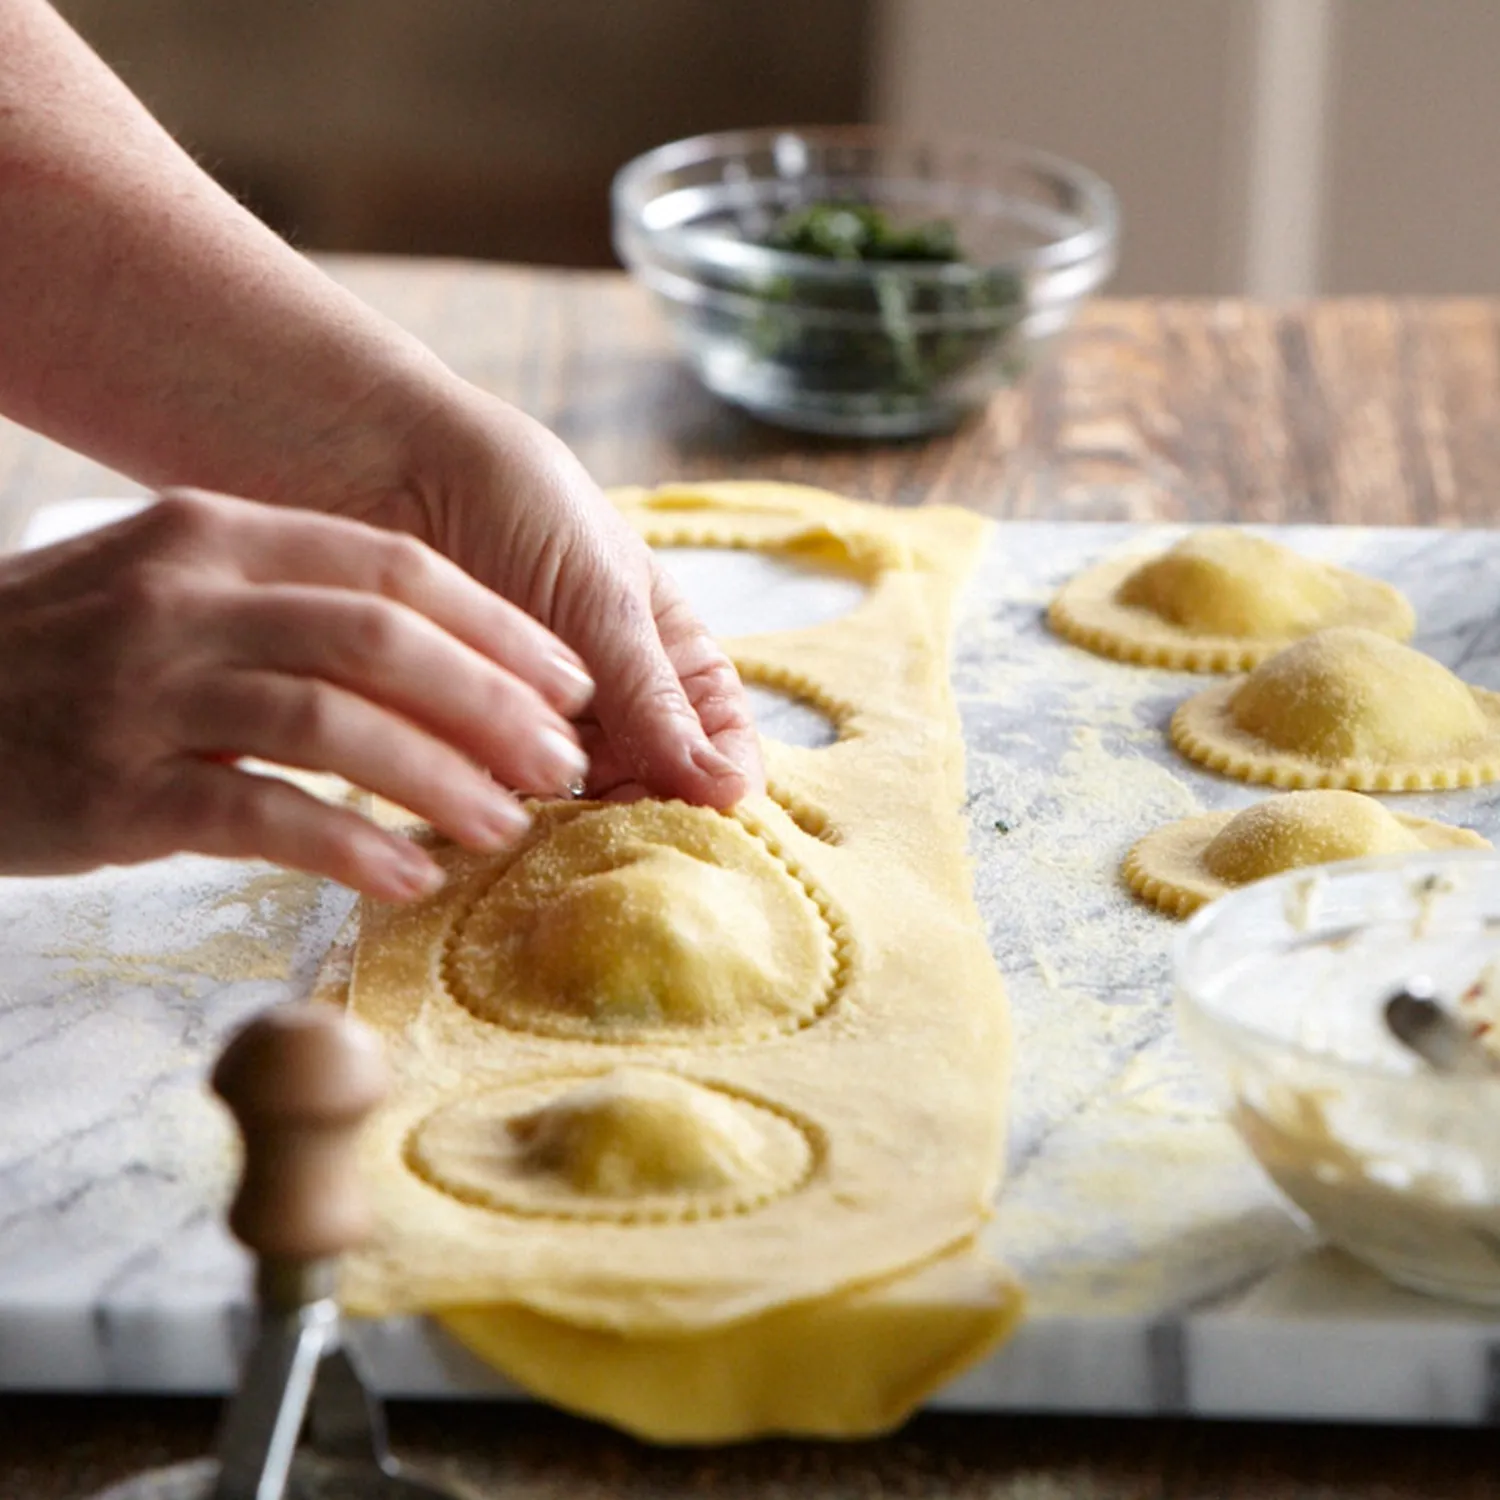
(1366,411)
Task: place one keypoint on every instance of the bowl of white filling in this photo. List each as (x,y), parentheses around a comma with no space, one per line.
(1281,992)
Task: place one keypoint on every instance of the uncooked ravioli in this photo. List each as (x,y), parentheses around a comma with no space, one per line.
(635,1144)
(1220,600)
(656,922)
(1345,708)
(1186,864)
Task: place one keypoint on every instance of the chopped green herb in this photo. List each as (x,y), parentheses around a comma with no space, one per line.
(1001,826)
(856,231)
(893,344)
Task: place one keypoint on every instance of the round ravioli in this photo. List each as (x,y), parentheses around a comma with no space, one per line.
(1345,708)
(633,1144)
(1196,860)
(658,922)
(1220,600)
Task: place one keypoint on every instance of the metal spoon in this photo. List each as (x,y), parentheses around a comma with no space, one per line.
(1422,1024)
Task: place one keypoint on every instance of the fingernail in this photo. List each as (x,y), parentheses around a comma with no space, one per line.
(498,823)
(412,873)
(565,763)
(574,684)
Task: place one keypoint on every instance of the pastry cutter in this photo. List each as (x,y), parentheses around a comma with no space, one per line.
(303,1424)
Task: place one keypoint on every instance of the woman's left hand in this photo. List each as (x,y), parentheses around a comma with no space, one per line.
(509,502)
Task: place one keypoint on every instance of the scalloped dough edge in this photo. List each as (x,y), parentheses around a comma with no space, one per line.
(1167,890)
(1084,612)
(1202,732)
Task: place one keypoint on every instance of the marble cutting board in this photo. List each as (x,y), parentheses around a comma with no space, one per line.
(1165,1275)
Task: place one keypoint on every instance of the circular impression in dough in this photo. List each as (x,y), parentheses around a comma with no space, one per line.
(1193,861)
(634,1145)
(1345,708)
(653,922)
(1220,600)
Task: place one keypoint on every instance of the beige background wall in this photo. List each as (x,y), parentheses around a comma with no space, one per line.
(1269,147)
(466,127)
(1135,89)
(1279,147)
(1414,149)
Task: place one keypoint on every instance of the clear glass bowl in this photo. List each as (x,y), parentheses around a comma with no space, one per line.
(862,348)
(1280,992)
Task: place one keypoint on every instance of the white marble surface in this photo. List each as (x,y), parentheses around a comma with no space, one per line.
(1165,1275)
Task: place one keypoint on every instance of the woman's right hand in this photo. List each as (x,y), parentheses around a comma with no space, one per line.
(139,662)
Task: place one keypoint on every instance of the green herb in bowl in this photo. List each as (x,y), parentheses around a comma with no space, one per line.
(903,338)
(858,231)
(859,282)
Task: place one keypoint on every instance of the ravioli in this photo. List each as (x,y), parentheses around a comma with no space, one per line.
(1186,864)
(634,1144)
(1219,600)
(653,922)
(1345,708)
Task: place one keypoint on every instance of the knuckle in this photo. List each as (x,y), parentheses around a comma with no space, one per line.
(502,703)
(310,717)
(404,565)
(183,517)
(373,631)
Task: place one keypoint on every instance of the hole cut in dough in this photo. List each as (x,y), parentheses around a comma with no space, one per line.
(634,1145)
(1193,861)
(789,717)
(657,922)
(1345,708)
(1219,600)
(737,592)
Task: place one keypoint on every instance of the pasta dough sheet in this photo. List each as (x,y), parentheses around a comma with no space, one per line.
(680,1092)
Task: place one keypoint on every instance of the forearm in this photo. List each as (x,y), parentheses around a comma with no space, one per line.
(146,319)
(150,321)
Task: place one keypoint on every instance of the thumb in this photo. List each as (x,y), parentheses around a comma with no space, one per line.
(667,698)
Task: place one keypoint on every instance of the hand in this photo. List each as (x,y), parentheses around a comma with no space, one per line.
(509,502)
(138,662)
(149,320)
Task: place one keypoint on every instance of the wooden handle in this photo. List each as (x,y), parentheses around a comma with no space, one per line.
(300,1081)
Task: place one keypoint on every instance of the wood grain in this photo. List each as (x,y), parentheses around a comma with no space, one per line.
(1368,411)
(1363,411)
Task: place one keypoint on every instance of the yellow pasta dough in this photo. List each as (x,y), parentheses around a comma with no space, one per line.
(851,1364)
(1196,860)
(633,1144)
(697,1113)
(1345,708)
(1219,600)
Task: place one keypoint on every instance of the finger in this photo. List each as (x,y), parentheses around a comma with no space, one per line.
(217,810)
(640,702)
(296,721)
(290,546)
(652,727)
(711,683)
(389,654)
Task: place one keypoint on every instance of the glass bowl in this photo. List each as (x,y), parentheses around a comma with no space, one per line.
(864,348)
(1280,992)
